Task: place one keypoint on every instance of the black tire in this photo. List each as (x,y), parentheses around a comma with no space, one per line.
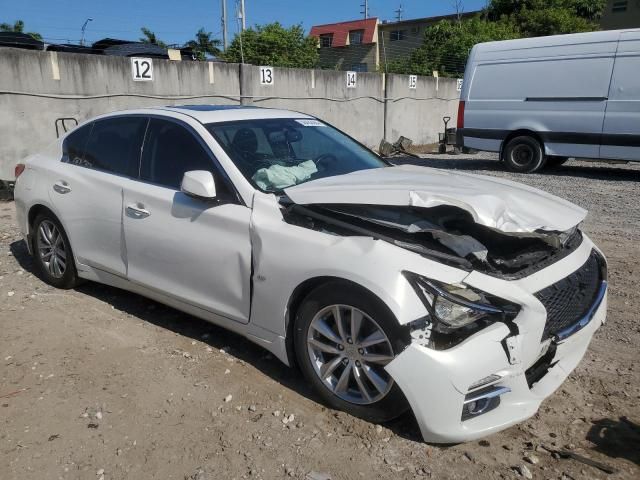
(393,404)
(553,162)
(68,279)
(523,154)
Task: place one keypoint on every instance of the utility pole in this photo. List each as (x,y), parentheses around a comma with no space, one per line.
(365,9)
(225,42)
(459,7)
(242,15)
(399,14)
(84,27)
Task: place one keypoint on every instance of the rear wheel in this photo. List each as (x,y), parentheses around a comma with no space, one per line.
(523,154)
(344,337)
(53,257)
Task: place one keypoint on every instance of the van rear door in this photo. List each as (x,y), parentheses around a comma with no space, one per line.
(621,130)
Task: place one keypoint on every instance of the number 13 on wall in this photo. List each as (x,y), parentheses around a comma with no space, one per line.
(266,75)
(142,69)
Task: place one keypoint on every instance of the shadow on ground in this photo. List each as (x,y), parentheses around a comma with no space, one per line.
(597,171)
(616,438)
(186,325)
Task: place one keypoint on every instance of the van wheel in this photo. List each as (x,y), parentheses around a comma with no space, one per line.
(343,338)
(523,154)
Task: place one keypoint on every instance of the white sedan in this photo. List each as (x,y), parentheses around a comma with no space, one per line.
(465,298)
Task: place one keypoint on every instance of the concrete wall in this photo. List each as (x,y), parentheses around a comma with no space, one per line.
(38,87)
(323,93)
(417,113)
(31,98)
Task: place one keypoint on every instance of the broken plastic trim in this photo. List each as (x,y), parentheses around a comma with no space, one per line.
(420,249)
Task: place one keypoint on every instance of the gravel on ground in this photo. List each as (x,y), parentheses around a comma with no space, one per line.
(98,383)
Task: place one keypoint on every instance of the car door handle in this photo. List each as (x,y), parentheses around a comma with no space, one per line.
(61,187)
(137,211)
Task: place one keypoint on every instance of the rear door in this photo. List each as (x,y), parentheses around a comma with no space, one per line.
(194,250)
(87,192)
(621,130)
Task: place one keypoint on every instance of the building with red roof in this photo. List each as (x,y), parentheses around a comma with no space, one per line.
(349,45)
(363,45)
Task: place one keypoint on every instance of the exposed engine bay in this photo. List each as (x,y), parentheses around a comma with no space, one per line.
(445,233)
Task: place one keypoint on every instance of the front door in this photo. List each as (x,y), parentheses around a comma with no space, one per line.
(194,250)
(621,130)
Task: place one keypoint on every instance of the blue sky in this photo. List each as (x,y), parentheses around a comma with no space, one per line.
(177,21)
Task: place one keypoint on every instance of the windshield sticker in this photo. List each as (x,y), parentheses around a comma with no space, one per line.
(310,123)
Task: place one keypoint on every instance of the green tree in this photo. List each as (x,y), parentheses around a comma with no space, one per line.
(274,45)
(150,37)
(203,44)
(447,45)
(18,27)
(548,17)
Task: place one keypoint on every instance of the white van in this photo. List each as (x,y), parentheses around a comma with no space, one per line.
(538,101)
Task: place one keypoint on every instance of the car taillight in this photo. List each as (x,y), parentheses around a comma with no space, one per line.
(460,122)
(19,169)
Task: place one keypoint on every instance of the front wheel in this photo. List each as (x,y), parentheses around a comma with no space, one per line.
(523,154)
(344,337)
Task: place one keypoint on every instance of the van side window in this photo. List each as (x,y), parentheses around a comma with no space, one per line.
(169,151)
(114,145)
(74,144)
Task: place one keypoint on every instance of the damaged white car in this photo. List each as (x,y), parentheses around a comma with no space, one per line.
(465,298)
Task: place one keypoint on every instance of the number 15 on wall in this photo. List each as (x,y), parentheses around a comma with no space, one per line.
(142,69)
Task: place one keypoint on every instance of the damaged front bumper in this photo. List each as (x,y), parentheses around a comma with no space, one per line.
(497,378)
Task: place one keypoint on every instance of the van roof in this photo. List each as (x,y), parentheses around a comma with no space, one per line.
(488,50)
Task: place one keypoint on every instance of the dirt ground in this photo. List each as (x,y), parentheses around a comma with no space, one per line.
(97,383)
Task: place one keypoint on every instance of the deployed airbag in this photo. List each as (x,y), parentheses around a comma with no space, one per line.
(277,177)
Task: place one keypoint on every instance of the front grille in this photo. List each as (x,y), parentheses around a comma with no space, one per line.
(569,299)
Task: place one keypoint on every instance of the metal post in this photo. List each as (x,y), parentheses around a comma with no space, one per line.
(242,13)
(84,27)
(365,10)
(225,42)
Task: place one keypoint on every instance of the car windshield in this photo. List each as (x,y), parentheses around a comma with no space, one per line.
(274,154)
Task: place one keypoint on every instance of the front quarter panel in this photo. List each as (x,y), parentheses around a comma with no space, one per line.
(285,256)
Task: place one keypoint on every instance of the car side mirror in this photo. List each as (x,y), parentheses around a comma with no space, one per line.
(199,183)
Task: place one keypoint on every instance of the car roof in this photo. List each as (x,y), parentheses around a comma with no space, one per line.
(205,113)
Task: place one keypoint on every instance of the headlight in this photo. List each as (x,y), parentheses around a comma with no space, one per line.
(455,306)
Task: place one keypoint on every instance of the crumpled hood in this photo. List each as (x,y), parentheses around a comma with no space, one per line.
(496,203)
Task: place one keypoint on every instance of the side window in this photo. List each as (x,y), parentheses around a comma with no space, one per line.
(169,151)
(74,145)
(114,145)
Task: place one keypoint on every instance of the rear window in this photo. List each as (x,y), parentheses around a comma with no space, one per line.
(74,145)
(114,145)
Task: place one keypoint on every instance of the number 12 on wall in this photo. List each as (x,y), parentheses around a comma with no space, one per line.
(142,69)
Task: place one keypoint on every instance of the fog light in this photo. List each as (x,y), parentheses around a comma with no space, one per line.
(482,401)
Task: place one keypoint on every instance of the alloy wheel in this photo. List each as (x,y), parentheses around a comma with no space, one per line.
(348,351)
(51,248)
